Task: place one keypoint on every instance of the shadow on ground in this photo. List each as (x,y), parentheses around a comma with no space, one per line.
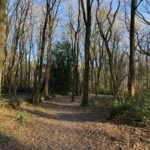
(69,112)
(72,112)
(10,143)
(74,117)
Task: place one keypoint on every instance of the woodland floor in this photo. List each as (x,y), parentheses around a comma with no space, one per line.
(59,124)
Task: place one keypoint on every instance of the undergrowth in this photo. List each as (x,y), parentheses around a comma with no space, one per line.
(128,110)
(133,109)
(101,101)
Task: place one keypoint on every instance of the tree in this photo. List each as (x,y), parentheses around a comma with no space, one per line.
(106,31)
(61,68)
(39,67)
(96,59)
(2,35)
(75,28)
(131,78)
(86,9)
(48,21)
(18,53)
(53,12)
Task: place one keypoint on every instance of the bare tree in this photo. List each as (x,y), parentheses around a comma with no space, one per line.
(75,28)
(39,66)
(146,11)
(52,23)
(106,34)
(16,55)
(50,5)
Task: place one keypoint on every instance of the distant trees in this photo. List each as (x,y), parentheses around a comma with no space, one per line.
(103,44)
(16,50)
(106,27)
(108,56)
(2,35)
(75,26)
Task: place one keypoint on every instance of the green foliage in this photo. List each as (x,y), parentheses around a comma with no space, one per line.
(101,101)
(21,117)
(61,68)
(133,109)
(104,92)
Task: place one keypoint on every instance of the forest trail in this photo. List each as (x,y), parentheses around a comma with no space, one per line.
(62,125)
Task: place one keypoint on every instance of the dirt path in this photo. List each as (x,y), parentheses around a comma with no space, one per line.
(62,125)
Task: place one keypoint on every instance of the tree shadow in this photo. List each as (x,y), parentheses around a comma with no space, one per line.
(60,106)
(76,116)
(11,143)
(75,113)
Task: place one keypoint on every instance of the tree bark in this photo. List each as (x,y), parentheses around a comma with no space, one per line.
(87,21)
(2,35)
(131,78)
(38,73)
(47,73)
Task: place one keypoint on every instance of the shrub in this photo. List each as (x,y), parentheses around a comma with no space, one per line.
(133,109)
(101,101)
(105,92)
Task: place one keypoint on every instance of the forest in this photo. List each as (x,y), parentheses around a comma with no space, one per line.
(74,74)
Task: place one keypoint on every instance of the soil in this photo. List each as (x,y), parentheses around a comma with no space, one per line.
(59,124)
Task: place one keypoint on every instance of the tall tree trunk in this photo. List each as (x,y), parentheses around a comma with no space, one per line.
(2,35)
(29,67)
(147,73)
(87,21)
(86,71)
(47,73)
(131,78)
(38,73)
(75,52)
(74,71)
(77,70)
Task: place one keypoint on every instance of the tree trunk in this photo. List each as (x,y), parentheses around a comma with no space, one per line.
(87,21)
(77,71)
(2,35)
(131,78)
(86,71)
(74,71)
(38,73)
(47,73)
